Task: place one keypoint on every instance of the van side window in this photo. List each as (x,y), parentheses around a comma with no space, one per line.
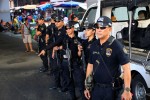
(140,13)
(90,16)
(120,14)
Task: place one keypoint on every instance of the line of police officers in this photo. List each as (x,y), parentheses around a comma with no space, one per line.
(65,50)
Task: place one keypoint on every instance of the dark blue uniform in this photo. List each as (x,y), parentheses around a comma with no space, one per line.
(42,45)
(56,62)
(114,55)
(51,30)
(86,47)
(76,79)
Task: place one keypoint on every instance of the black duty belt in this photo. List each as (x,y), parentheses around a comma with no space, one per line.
(103,85)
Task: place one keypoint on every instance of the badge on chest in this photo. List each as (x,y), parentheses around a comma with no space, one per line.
(59,33)
(75,41)
(108,52)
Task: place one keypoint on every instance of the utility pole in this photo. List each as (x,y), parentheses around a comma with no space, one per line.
(17,3)
(31,2)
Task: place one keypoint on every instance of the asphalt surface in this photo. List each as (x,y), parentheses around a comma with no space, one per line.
(20,78)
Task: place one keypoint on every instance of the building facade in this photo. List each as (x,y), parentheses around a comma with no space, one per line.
(5,10)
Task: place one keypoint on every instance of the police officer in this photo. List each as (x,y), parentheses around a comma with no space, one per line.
(90,35)
(41,32)
(74,76)
(51,30)
(58,36)
(75,21)
(106,55)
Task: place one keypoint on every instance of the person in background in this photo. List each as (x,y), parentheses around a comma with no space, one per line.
(65,20)
(1,25)
(142,14)
(26,36)
(113,18)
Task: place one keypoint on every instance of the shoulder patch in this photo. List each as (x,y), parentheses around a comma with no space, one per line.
(124,50)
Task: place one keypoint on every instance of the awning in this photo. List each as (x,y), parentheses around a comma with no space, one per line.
(29,7)
(70,4)
(45,6)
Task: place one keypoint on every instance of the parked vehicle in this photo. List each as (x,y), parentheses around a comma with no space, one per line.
(133,32)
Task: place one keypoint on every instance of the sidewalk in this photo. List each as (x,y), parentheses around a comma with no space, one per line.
(20,78)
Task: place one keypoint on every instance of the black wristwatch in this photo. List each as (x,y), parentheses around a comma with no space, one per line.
(127,89)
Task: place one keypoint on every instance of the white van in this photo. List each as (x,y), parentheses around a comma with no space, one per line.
(139,55)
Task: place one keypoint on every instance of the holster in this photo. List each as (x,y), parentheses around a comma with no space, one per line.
(118,88)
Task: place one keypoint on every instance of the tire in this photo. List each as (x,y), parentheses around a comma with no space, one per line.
(138,88)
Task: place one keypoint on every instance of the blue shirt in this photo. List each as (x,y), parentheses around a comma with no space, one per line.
(113,55)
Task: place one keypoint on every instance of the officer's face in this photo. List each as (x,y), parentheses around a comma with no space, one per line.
(70,30)
(76,19)
(40,21)
(103,32)
(89,32)
(59,24)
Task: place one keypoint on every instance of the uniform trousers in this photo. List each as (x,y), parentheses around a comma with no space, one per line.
(43,57)
(57,71)
(102,93)
(76,79)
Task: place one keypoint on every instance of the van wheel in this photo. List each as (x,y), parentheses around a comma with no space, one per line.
(138,87)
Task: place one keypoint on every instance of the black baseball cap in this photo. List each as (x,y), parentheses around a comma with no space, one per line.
(90,26)
(53,16)
(59,18)
(41,18)
(69,24)
(103,22)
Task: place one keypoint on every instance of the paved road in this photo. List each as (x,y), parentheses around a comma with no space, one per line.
(20,78)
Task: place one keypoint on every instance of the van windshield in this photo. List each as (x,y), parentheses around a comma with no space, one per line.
(90,16)
(140,13)
(120,14)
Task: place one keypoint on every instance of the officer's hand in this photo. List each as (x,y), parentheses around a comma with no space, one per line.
(55,48)
(80,48)
(42,53)
(38,33)
(126,96)
(53,54)
(60,47)
(87,94)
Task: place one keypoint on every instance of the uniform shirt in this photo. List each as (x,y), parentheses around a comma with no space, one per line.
(42,29)
(73,46)
(59,36)
(113,55)
(51,29)
(86,47)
